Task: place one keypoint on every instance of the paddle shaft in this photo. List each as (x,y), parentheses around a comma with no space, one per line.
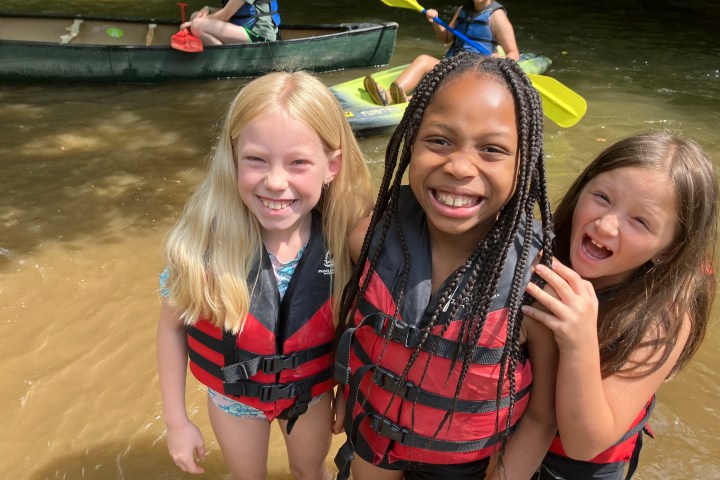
(461,36)
(182,11)
(560,104)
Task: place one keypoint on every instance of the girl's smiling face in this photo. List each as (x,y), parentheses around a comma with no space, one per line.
(280,178)
(464,161)
(623,219)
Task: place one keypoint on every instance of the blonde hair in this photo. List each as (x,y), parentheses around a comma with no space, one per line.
(213,246)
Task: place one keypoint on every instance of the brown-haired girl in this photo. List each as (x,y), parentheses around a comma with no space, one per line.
(639,227)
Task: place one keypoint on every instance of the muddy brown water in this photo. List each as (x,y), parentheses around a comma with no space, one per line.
(92,176)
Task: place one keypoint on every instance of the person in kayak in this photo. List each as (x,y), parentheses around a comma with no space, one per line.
(440,378)
(483,21)
(254,265)
(238,21)
(631,300)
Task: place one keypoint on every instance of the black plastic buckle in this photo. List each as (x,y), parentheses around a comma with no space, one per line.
(278,391)
(390,382)
(387,428)
(278,363)
(394,329)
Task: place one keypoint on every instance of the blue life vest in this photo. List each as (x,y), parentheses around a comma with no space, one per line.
(476,26)
(248,14)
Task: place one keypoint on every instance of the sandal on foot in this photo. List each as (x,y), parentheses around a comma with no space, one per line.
(376,91)
(397,94)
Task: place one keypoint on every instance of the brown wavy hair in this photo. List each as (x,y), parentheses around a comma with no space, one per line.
(647,309)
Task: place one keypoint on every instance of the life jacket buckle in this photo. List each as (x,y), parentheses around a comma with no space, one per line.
(395,329)
(386,428)
(390,382)
(277,391)
(277,363)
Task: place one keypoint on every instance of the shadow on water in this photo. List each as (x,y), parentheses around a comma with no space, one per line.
(101,161)
(141,459)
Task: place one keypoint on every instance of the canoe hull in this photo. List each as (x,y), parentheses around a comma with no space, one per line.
(367,118)
(331,47)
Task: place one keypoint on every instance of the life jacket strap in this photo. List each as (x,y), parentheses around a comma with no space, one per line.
(640,426)
(407,437)
(343,459)
(391,382)
(251,363)
(272,392)
(393,328)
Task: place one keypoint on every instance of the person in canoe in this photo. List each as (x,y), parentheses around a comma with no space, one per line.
(255,266)
(238,21)
(638,229)
(483,21)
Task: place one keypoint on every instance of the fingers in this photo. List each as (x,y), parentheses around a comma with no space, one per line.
(547,319)
(188,464)
(548,298)
(564,280)
(200,451)
(338,426)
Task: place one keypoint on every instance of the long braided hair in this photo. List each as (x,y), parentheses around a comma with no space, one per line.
(484,266)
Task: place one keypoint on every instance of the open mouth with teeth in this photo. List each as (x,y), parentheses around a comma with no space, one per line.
(455,200)
(276,204)
(595,249)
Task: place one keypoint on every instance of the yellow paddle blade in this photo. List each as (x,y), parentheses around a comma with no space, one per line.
(560,104)
(411,4)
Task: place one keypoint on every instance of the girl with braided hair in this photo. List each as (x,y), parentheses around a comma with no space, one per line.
(433,359)
(639,227)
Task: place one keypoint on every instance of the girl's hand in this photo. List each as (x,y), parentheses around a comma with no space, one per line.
(430,14)
(339,407)
(570,307)
(186,444)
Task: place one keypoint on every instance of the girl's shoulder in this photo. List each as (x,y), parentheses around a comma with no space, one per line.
(357,237)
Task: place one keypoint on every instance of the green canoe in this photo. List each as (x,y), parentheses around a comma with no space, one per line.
(66,48)
(367,118)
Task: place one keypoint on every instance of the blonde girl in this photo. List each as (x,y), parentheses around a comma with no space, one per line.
(255,266)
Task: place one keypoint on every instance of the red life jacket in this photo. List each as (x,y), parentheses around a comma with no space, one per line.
(624,448)
(389,421)
(283,356)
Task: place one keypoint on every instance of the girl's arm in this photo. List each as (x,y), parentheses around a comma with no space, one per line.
(226,12)
(184,439)
(503,31)
(339,407)
(531,440)
(357,237)
(440,32)
(592,413)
